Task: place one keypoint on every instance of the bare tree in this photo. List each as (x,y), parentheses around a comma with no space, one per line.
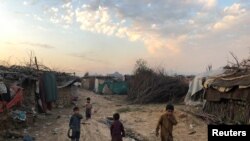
(236,59)
(141,65)
(30,61)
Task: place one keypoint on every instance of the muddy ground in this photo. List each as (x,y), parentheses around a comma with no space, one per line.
(139,121)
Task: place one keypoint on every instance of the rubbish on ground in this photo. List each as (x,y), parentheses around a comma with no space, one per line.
(20,115)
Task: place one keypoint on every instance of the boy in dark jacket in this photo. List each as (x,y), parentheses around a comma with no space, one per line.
(75,124)
(117,129)
(166,123)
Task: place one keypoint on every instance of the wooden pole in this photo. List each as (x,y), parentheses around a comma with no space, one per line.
(37,67)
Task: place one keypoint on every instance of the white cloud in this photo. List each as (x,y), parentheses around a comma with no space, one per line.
(96,21)
(54,10)
(63,15)
(38,18)
(29,2)
(209,3)
(162,25)
(231,16)
(234,9)
(225,22)
(67,5)
(156,27)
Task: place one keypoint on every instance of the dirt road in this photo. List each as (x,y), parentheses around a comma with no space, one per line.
(139,121)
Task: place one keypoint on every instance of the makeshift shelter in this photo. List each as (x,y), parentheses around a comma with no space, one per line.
(195,94)
(39,86)
(98,81)
(68,92)
(113,87)
(88,82)
(228,97)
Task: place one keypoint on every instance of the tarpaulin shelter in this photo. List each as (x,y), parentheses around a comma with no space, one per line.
(116,87)
(195,94)
(68,92)
(228,97)
(48,90)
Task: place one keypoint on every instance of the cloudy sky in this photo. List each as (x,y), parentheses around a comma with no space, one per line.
(104,36)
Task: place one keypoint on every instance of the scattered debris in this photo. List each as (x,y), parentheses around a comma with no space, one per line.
(55,131)
(19,115)
(192,132)
(208,118)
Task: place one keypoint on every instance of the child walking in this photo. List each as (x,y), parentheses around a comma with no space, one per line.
(88,107)
(75,124)
(117,129)
(166,123)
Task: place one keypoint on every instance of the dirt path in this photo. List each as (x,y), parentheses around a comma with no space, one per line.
(139,121)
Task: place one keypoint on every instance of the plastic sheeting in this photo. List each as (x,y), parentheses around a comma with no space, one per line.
(117,87)
(49,87)
(196,85)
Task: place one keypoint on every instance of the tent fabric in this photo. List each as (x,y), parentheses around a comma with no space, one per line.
(190,100)
(117,87)
(210,75)
(18,98)
(101,87)
(106,89)
(195,86)
(50,87)
(98,82)
(47,89)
